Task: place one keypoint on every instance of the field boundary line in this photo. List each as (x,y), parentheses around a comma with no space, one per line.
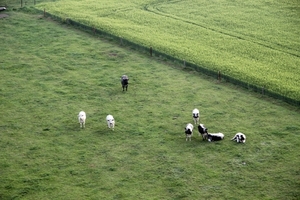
(152,52)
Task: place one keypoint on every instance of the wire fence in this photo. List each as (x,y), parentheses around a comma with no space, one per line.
(152,52)
(14,4)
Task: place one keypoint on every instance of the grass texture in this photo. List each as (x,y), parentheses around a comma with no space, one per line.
(49,72)
(256,42)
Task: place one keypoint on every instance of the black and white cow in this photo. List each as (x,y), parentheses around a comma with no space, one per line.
(215,137)
(188,131)
(124,82)
(239,138)
(203,131)
(196,115)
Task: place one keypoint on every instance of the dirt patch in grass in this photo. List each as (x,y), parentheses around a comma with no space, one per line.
(3,15)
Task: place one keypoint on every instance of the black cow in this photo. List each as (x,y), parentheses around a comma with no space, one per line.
(124,82)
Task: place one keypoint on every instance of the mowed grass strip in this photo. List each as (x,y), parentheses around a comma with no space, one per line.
(49,72)
(253,41)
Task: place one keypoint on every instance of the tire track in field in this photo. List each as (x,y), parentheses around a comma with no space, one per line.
(157,11)
(115,10)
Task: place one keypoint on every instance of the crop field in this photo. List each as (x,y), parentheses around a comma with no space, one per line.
(49,72)
(253,41)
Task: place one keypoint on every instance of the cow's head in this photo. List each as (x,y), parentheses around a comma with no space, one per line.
(209,137)
(188,131)
(125,81)
(242,139)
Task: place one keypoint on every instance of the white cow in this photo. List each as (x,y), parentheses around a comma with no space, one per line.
(81,119)
(110,121)
(196,115)
(188,131)
(239,138)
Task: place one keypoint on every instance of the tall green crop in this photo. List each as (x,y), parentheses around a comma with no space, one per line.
(253,41)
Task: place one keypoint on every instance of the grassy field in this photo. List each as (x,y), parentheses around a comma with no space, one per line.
(253,41)
(49,72)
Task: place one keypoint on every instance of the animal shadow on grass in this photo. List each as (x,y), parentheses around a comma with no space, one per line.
(70,129)
(197,141)
(104,130)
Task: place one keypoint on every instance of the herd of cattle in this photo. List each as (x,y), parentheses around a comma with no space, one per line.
(239,137)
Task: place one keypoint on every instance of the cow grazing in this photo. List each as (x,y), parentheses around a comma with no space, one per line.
(81,119)
(196,115)
(110,121)
(124,82)
(239,138)
(203,131)
(215,137)
(188,131)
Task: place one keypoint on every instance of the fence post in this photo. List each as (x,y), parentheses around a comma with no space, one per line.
(121,41)
(219,76)
(184,63)
(151,51)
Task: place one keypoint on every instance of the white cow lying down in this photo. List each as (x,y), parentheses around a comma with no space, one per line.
(110,121)
(81,119)
(239,138)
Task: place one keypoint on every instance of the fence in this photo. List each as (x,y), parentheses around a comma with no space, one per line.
(13,4)
(197,68)
(153,52)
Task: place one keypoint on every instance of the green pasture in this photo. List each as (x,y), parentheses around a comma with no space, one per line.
(254,41)
(49,72)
